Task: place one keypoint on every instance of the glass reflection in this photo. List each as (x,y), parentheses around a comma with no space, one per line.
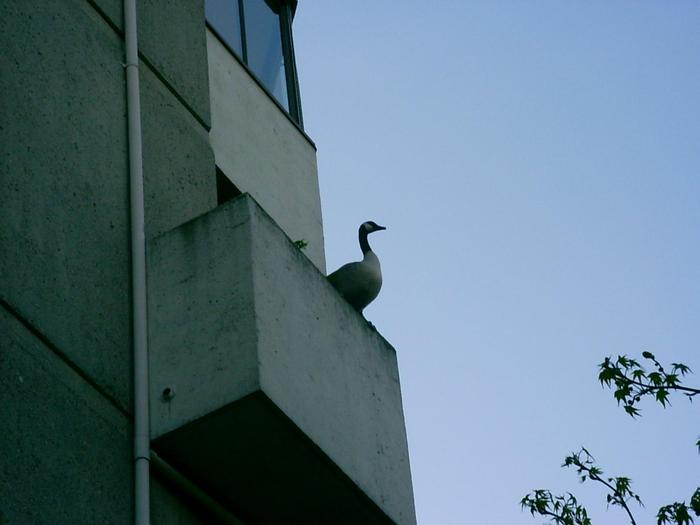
(225,18)
(264,46)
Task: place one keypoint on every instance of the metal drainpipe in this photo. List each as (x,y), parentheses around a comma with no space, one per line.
(138,272)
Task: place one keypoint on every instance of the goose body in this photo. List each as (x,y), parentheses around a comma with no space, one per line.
(359,282)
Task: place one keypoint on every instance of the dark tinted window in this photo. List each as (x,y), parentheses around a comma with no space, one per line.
(259,32)
(225,18)
(264,46)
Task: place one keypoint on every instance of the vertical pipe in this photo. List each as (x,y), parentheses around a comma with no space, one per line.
(138,272)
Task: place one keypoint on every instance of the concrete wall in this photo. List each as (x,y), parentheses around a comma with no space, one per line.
(262,152)
(171,42)
(63,168)
(65,449)
(65,385)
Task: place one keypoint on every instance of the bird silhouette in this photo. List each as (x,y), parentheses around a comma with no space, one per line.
(359,282)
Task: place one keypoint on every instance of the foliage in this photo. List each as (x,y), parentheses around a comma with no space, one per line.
(678,512)
(562,510)
(619,493)
(301,244)
(631,383)
(619,488)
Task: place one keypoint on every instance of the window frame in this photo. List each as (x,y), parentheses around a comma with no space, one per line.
(287,8)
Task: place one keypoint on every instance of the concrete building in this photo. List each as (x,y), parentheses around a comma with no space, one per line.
(271,400)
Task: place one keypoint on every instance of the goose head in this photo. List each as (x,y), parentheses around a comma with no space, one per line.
(365,229)
(370,227)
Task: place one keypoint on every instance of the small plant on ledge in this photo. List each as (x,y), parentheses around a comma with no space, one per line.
(301,244)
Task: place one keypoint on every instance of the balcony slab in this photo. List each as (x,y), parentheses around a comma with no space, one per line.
(266,386)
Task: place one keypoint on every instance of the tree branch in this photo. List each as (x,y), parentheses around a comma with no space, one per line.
(620,497)
(650,387)
(621,491)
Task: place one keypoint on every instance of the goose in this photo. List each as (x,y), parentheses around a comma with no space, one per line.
(359,282)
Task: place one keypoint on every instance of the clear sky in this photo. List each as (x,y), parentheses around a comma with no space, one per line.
(537,165)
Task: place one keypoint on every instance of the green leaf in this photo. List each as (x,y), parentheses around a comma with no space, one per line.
(655,378)
(682,516)
(662,396)
(695,502)
(674,513)
(606,375)
(631,410)
(680,367)
(622,485)
(622,393)
(638,375)
(301,243)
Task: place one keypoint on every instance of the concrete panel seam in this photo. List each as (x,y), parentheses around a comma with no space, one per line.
(105,17)
(174,92)
(155,72)
(157,238)
(62,356)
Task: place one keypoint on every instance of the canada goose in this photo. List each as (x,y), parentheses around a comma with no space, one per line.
(359,282)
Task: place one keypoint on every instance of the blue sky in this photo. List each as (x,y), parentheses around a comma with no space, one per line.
(537,165)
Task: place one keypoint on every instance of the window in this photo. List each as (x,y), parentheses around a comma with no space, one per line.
(260,33)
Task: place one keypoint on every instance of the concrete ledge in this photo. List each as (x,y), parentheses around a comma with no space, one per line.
(258,348)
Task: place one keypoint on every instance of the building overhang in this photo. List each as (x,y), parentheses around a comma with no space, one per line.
(267,388)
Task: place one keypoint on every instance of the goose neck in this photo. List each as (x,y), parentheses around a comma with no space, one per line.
(364,244)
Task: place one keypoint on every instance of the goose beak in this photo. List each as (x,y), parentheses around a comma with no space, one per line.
(379,228)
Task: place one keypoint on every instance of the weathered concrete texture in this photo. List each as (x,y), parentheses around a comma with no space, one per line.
(171,37)
(333,375)
(215,287)
(235,308)
(65,450)
(110,9)
(64,237)
(262,152)
(178,163)
(63,168)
